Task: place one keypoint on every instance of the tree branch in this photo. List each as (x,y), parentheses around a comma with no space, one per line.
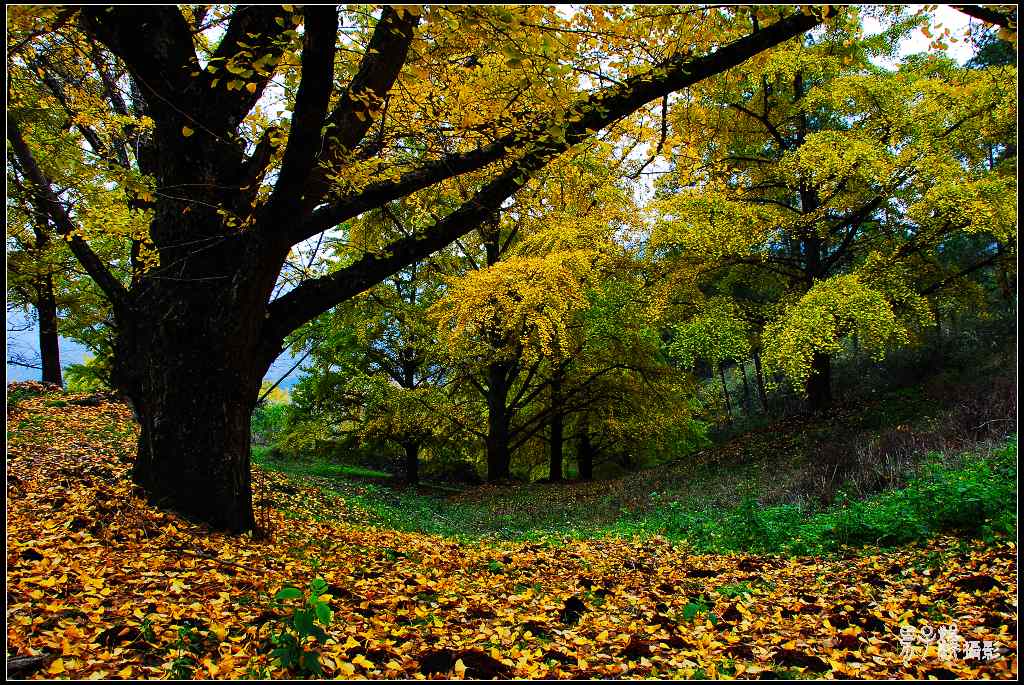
(310,109)
(584,117)
(353,114)
(1008,20)
(47,203)
(594,113)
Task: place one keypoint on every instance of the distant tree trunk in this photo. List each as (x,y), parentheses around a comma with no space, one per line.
(412,462)
(819,383)
(760,380)
(725,392)
(585,454)
(557,430)
(499,457)
(747,403)
(49,343)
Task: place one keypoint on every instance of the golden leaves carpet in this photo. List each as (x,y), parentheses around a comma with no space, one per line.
(98,583)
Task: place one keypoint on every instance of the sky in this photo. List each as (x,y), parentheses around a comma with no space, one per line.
(25,343)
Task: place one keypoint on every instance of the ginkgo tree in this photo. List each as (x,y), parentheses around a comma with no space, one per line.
(237,182)
(538,329)
(375,373)
(822,204)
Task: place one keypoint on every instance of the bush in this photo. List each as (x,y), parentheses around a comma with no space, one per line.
(267,423)
(93,375)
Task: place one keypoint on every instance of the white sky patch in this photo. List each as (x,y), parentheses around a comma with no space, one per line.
(943,17)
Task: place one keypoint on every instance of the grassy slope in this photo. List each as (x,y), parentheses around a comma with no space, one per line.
(702,494)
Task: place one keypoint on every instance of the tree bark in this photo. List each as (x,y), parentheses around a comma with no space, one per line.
(557,432)
(747,403)
(49,342)
(819,383)
(585,453)
(193,381)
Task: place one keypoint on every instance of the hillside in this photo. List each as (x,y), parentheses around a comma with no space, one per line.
(100,584)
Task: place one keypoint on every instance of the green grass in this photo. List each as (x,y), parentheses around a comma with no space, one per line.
(972,494)
(313,467)
(975,498)
(753,492)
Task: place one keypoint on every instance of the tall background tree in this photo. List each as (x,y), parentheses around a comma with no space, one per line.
(829,200)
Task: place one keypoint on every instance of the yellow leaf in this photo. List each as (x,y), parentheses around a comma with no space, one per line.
(125,672)
(346,668)
(56,667)
(186,131)
(460,668)
(350,643)
(220,631)
(361,660)
(251,87)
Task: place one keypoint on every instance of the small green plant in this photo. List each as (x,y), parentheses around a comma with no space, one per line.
(300,626)
(735,590)
(188,648)
(695,608)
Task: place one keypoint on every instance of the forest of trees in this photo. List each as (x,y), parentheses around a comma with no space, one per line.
(513,241)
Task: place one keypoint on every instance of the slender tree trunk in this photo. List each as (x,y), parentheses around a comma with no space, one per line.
(585,453)
(499,457)
(747,402)
(725,392)
(819,383)
(557,432)
(412,462)
(759,372)
(49,342)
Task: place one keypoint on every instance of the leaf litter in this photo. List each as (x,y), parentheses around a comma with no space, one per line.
(101,584)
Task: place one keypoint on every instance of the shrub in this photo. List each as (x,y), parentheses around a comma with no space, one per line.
(92,375)
(267,423)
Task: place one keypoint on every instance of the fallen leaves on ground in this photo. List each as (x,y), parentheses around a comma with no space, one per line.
(99,583)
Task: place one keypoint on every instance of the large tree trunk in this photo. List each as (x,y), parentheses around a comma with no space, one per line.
(557,432)
(191,362)
(49,342)
(819,383)
(499,456)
